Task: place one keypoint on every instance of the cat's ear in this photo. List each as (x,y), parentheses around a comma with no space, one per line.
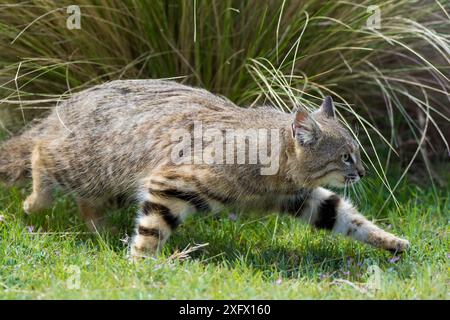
(305,129)
(327,107)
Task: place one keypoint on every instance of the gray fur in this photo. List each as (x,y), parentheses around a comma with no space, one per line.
(115,139)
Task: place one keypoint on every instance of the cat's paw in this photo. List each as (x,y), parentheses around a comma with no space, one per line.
(387,241)
(137,254)
(36,203)
(399,245)
(31,205)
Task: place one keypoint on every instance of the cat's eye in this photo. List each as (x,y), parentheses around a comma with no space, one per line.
(345,157)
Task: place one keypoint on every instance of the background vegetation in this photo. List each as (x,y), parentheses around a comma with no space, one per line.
(391,85)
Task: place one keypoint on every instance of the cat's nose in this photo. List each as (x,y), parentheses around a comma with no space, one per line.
(361,172)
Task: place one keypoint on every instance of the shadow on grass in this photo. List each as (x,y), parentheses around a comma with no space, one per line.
(311,260)
(236,244)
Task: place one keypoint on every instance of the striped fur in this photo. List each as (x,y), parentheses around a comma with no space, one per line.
(116,140)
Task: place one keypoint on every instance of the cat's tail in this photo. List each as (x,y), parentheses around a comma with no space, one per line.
(15,158)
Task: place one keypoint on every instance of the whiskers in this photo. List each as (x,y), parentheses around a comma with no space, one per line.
(351,179)
(356,190)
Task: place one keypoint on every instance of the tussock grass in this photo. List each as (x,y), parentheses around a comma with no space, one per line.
(392,82)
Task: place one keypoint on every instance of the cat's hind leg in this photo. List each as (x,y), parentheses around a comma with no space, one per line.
(92,212)
(41,196)
(324,209)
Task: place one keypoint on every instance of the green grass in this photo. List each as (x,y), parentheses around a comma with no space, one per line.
(246,258)
(392,82)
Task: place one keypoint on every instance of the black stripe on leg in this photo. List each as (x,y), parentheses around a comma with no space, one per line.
(147,207)
(195,199)
(212,194)
(155,208)
(169,218)
(149,232)
(327,212)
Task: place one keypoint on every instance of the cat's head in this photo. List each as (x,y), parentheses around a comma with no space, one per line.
(326,152)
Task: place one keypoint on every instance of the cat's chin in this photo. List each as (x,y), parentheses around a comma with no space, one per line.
(333,180)
(336,184)
(329,183)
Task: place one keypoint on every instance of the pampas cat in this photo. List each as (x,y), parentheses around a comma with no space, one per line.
(141,138)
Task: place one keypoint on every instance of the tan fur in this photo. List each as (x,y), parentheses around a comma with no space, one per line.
(117,139)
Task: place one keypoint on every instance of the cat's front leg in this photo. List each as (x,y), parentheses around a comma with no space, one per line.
(154,225)
(163,206)
(324,209)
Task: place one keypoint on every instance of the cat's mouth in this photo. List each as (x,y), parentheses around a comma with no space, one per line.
(351,178)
